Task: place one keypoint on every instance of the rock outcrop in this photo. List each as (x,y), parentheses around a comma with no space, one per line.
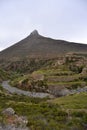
(12,121)
(8,112)
(59,91)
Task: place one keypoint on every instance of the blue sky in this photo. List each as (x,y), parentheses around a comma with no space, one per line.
(59,19)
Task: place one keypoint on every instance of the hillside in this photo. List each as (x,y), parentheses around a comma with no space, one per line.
(66,113)
(38,66)
(37,46)
(58,77)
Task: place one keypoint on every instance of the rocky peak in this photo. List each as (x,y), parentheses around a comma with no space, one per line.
(34,33)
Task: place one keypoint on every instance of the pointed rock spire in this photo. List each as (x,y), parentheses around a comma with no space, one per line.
(34,33)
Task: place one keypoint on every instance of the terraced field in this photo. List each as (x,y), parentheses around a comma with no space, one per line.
(54,78)
(68,112)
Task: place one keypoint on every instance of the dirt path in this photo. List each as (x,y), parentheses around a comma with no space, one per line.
(6,86)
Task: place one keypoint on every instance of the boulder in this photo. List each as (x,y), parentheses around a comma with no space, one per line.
(8,111)
(13,121)
(62,92)
(37,76)
(84,71)
(59,91)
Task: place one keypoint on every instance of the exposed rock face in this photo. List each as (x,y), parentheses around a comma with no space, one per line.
(84,71)
(8,112)
(12,127)
(58,91)
(34,33)
(60,61)
(63,92)
(13,121)
(37,77)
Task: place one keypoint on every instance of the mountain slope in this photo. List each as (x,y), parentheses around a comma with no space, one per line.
(37,46)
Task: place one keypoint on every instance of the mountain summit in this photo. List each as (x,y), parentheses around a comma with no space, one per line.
(37,46)
(34,33)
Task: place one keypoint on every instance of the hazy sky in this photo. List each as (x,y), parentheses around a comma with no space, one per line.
(60,19)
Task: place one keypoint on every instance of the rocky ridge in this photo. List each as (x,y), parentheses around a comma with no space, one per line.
(36,46)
